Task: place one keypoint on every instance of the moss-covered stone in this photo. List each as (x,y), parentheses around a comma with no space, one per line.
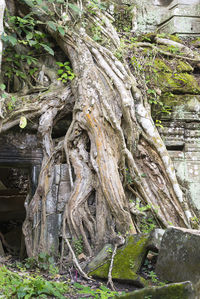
(127,261)
(182,290)
(160,65)
(183,66)
(181,83)
(172,100)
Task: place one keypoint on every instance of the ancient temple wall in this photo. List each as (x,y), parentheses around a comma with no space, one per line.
(168,16)
(181,133)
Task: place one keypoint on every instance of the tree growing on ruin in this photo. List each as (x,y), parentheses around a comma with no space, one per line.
(66,58)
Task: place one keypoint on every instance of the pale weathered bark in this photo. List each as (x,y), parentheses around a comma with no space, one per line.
(111,133)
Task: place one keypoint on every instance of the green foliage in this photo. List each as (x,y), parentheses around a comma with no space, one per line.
(153,277)
(129,179)
(13,285)
(65,72)
(94,5)
(44,262)
(147,225)
(77,245)
(96,33)
(101,293)
(147,68)
(23,43)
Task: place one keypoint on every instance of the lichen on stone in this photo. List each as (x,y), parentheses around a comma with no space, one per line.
(127,261)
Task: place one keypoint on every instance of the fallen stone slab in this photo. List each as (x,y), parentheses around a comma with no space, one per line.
(127,262)
(182,290)
(100,258)
(179,256)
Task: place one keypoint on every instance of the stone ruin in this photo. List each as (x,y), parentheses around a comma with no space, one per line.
(181,134)
(21,153)
(20,163)
(180,17)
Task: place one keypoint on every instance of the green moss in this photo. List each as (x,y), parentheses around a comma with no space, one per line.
(127,261)
(182,83)
(172,291)
(196,42)
(171,100)
(160,65)
(183,66)
(175,38)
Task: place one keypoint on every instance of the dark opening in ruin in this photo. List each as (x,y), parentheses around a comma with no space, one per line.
(14,187)
(175,147)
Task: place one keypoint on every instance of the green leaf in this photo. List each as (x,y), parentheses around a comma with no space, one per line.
(2,87)
(59,63)
(32,42)
(75,8)
(48,49)
(12,40)
(60,72)
(61,30)
(29,35)
(29,3)
(4,95)
(22,122)
(52,25)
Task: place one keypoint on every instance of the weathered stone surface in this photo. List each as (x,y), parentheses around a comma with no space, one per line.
(156,239)
(127,261)
(100,258)
(178,16)
(20,150)
(179,256)
(181,134)
(182,290)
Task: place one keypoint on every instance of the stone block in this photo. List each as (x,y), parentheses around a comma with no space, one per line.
(101,257)
(127,261)
(156,239)
(63,195)
(182,290)
(179,256)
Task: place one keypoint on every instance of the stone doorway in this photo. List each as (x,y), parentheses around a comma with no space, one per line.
(14,187)
(20,160)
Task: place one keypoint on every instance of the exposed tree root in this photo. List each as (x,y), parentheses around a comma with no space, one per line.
(75,261)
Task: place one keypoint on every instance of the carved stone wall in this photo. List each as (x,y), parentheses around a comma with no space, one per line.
(181,134)
(169,16)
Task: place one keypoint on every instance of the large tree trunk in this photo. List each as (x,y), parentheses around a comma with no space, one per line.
(112,136)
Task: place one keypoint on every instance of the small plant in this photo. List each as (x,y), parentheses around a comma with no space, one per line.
(129,179)
(96,32)
(153,277)
(109,250)
(13,285)
(44,262)
(53,270)
(102,292)
(147,225)
(65,72)
(78,246)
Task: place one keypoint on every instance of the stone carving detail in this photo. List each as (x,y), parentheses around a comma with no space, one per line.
(181,134)
(169,16)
